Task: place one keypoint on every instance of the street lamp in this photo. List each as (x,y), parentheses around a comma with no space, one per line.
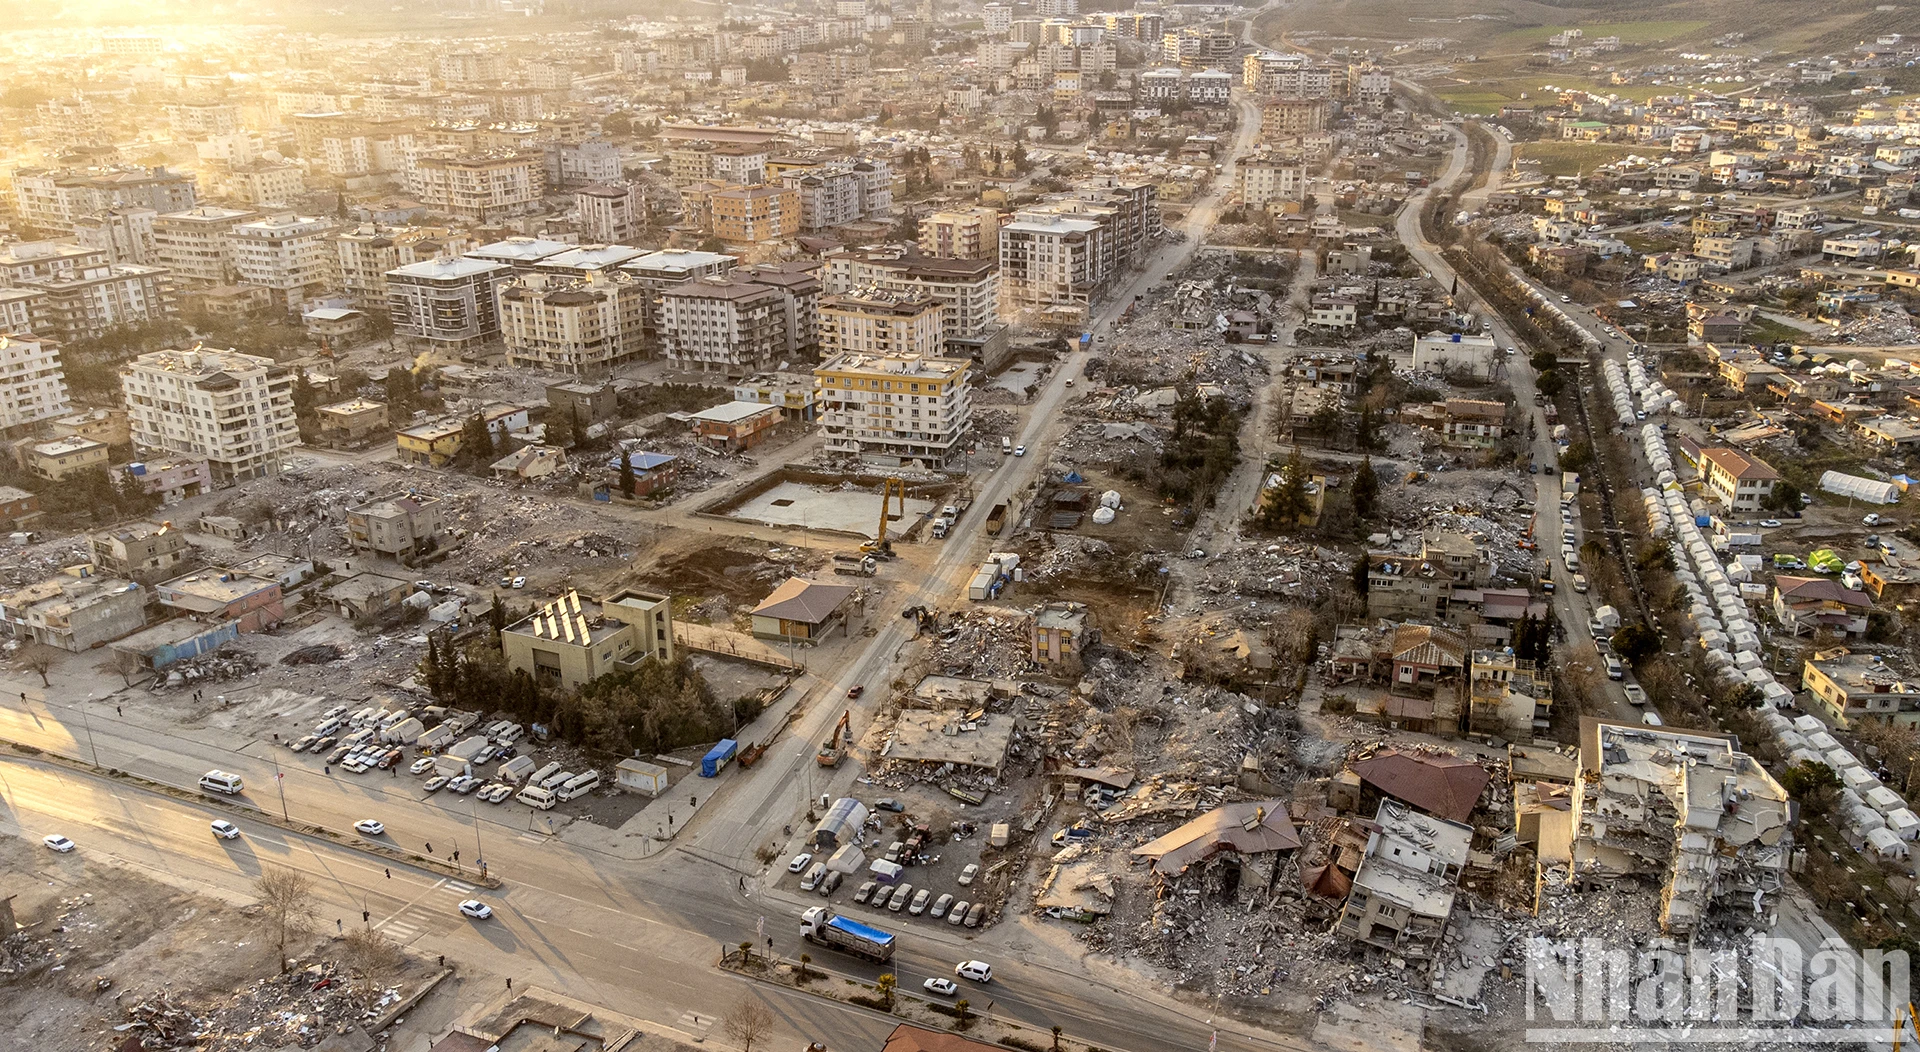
(87,721)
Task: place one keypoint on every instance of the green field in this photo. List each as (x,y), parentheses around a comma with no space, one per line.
(1572,158)
(1630,34)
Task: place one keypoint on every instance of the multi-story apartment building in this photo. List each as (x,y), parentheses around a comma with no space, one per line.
(82,304)
(610,213)
(33,386)
(968,290)
(841,192)
(722,325)
(589,162)
(1049,261)
(999,18)
(196,245)
(741,163)
(234,410)
(1198,47)
(472,67)
(971,233)
(363,256)
(398,525)
(877,322)
(69,124)
(447,304)
(583,326)
(198,120)
(264,183)
(22,309)
(480,189)
(748,215)
(24,262)
(898,410)
(50,200)
(1267,180)
(286,253)
(124,233)
(667,268)
(799,284)
(1274,73)
(1293,117)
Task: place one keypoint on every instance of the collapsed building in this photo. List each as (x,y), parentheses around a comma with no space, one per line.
(1688,810)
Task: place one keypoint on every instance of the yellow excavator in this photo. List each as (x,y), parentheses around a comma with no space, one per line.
(892,488)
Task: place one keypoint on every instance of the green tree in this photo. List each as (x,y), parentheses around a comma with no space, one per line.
(626,474)
(1579,455)
(559,428)
(1358,574)
(887,986)
(476,442)
(1784,497)
(1550,383)
(1636,642)
(1366,489)
(1811,783)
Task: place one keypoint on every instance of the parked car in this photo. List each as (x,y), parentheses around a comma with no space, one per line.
(58,843)
(865,891)
(831,882)
(305,743)
(968,874)
(436,783)
(919,904)
(339,754)
(882,897)
(975,914)
(901,896)
(1771,524)
(392,757)
(888,803)
(799,862)
(958,914)
(814,876)
(939,908)
(421,766)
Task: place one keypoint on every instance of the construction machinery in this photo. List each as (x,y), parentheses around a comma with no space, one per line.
(1904,1024)
(836,744)
(888,491)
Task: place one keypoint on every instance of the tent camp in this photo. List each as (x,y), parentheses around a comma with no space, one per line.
(1872,491)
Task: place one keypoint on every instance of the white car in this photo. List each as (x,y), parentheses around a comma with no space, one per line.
(436,783)
(369,827)
(942,987)
(967,874)
(1872,519)
(58,843)
(1771,524)
(978,971)
(225,830)
(476,909)
(421,766)
(1019,451)
(519,582)
(799,862)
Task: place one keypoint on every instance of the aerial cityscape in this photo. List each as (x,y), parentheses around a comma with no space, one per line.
(949,526)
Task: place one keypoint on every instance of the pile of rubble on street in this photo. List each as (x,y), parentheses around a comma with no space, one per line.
(299,1009)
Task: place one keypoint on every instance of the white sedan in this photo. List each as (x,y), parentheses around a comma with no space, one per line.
(943,987)
(369,827)
(476,909)
(422,765)
(799,862)
(58,843)
(225,830)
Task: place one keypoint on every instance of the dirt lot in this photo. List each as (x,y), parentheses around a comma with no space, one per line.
(97,941)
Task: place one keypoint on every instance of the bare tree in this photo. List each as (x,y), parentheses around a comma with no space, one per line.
(40,658)
(125,662)
(748,1022)
(287,897)
(371,958)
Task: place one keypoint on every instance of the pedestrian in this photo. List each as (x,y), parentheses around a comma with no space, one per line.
(429,847)
(339,925)
(325,769)
(743,883)
(443,960)
(769,944)
(456,856)
(389,874)
(509,984)
(117,711)
(276,734)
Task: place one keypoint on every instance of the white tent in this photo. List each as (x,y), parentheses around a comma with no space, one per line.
(1865,820)
(1778,696)
(1822,741)
(1858,779)
(1884,800)
(1841,759)
(1887,844)
(1905,823)
(1807,723)
(1872,491)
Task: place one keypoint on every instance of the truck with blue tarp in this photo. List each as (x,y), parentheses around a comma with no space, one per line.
(828,928)
(718,757)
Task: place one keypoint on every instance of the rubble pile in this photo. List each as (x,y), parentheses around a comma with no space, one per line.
(25,564)
(1301,573)
(1114,441)
(1068,555)
(227,663)
(982,645)
(302,1008)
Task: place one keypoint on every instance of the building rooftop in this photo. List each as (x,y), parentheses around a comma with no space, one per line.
(569,620)
(210,591)
(1737,464)
(677,260)
(61,447)
(1401,854)
(591,257)
(519,250)
(352,406)
(732,412)
(1244,828)
(922,367)
(448,267)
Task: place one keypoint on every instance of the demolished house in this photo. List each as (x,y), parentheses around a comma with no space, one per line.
(1403,893)
(1247,829)
(1685,809)
(1444,786)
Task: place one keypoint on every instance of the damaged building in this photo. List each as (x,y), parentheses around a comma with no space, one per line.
(1686,810)
(1403,893)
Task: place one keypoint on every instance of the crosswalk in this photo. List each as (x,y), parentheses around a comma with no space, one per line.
(694,1025)
(437,908)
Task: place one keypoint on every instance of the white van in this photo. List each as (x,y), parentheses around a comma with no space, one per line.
(557,780)
(496,727)
(509,734)
(540,776)
(1006,445)
(1615,670)
(221,782)
(580,786)
(537,798)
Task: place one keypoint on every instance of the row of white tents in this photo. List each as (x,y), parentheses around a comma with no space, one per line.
(1717,609)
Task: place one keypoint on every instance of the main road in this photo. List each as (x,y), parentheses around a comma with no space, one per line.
(638,936)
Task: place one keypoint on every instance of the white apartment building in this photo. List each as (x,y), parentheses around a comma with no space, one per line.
(875,321)
(52,199)
(1049,261)
(720,325)
(197,244)
(363,256)
(970,233)
(999,17)
(610,214)
(124,233)
(33,387)
(1262,181)
(968,290)
(590,162)
(842,192)
(286,253)
(447,304)
(897,410)
(198,120)
(264,183)
(480,189)
(235,410)
(582,326)
(669,267)
(86,303)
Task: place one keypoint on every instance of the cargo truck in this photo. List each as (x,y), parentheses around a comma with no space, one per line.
(717,758)
(822,925)
(996,519)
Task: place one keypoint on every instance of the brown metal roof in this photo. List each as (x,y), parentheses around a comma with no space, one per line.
(1442,786)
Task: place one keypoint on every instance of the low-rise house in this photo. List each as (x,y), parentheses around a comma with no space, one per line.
(1471,422)
(1248,830)
(652,472)
(400,526)
(74,611)
(254,603)
(1443,786)
(353,422)
(1809,604)
(1508,696)
(734,426)
(1848,688)
(1741,483)
(1889,432)
(1403,892)
(570,642)
(1060,634)
(172,479)
(138,548)
(367,594)
(1428,660)
(65,457)
(529,462)
(18,507)
(801,611)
